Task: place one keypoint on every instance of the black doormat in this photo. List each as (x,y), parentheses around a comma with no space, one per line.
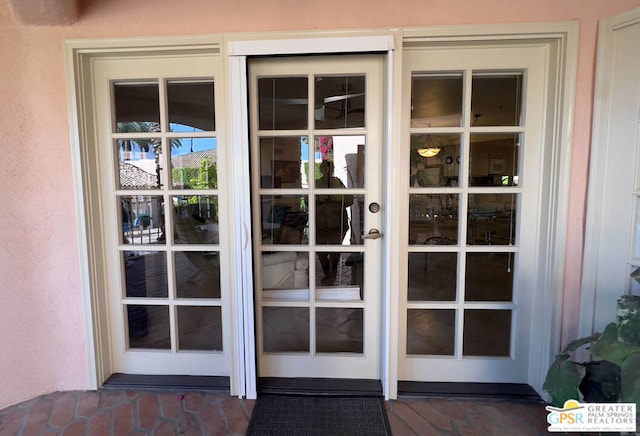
(318,415)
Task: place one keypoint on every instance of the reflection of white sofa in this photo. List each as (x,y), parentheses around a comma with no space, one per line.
(285,270)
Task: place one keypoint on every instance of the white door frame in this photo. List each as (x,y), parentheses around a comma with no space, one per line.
(238,52)
(561,39)
(607,248)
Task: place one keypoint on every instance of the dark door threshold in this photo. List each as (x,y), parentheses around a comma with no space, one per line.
(512,391)
(167,382)
(320,386)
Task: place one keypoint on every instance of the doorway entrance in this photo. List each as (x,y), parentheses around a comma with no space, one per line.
(316,160)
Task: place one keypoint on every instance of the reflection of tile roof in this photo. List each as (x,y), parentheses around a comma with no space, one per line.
(133,177)
(192,160)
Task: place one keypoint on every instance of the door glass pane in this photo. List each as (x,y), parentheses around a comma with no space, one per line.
(436,100)
(435,160)
(283,103)
(191,106)
(489,277)
(137,107)
(194,163)
(432,276)
(339,161)
(139,163)
(197,274)
(195,219)
(145,274)
(342,271)
(339,330)
(286,271)
(487,332)
(491,219)
(433,219)
(335,219)
(493,159)
(285,329)
(496,99)
(142,218)
(148,326)
(199,328)
(284,219)
(431,331)
(284,162)
(339,102)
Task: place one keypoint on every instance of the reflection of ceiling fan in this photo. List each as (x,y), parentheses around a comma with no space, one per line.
(337,103)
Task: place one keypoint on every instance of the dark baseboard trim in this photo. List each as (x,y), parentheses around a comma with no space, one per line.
(513,391)
(167,382)
(320,386)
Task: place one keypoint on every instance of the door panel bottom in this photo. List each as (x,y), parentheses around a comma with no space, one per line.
(515,391)
(319,386)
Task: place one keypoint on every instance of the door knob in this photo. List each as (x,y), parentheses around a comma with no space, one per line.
(373,234)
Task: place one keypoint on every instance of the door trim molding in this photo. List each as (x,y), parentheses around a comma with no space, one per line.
(599,156)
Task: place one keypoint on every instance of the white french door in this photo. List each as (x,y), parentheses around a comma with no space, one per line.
(163,208)
(316,146)
(474,123)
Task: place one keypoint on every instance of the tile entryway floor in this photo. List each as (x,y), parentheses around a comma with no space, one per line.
(129,412)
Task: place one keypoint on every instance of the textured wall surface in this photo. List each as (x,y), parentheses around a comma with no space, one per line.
(41,327)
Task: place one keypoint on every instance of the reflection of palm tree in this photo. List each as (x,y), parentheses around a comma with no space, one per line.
(145,144)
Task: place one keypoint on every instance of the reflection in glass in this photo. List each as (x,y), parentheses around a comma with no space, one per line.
(343,270)
(339,219)
(197,274)
(433,219)
(436,100)
(194,163)
(142,218)
(432,276)
(496,99)
(431,331)
(487,333)
(489,277)
(285,270)
(148,326)
(137,107)
(493,159)
(145,274)
(285,329)
(339,330)
(491,219)
(281,162)
(341,158)
(284,219)
(139,163)
(195,219)
(442,168)
(191,106)
(199,328)
(340,102)
(283,103)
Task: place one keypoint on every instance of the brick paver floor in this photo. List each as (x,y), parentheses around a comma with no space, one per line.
(128,412)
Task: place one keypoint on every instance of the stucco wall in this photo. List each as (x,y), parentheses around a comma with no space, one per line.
(42,346)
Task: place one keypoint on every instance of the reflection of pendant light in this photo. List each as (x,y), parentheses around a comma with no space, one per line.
(429,149)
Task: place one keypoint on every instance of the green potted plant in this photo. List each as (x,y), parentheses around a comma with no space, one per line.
(613,374)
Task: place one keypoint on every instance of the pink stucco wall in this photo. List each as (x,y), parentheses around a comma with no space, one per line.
(42,346)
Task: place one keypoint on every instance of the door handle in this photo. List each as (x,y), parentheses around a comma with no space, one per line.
(373,234)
